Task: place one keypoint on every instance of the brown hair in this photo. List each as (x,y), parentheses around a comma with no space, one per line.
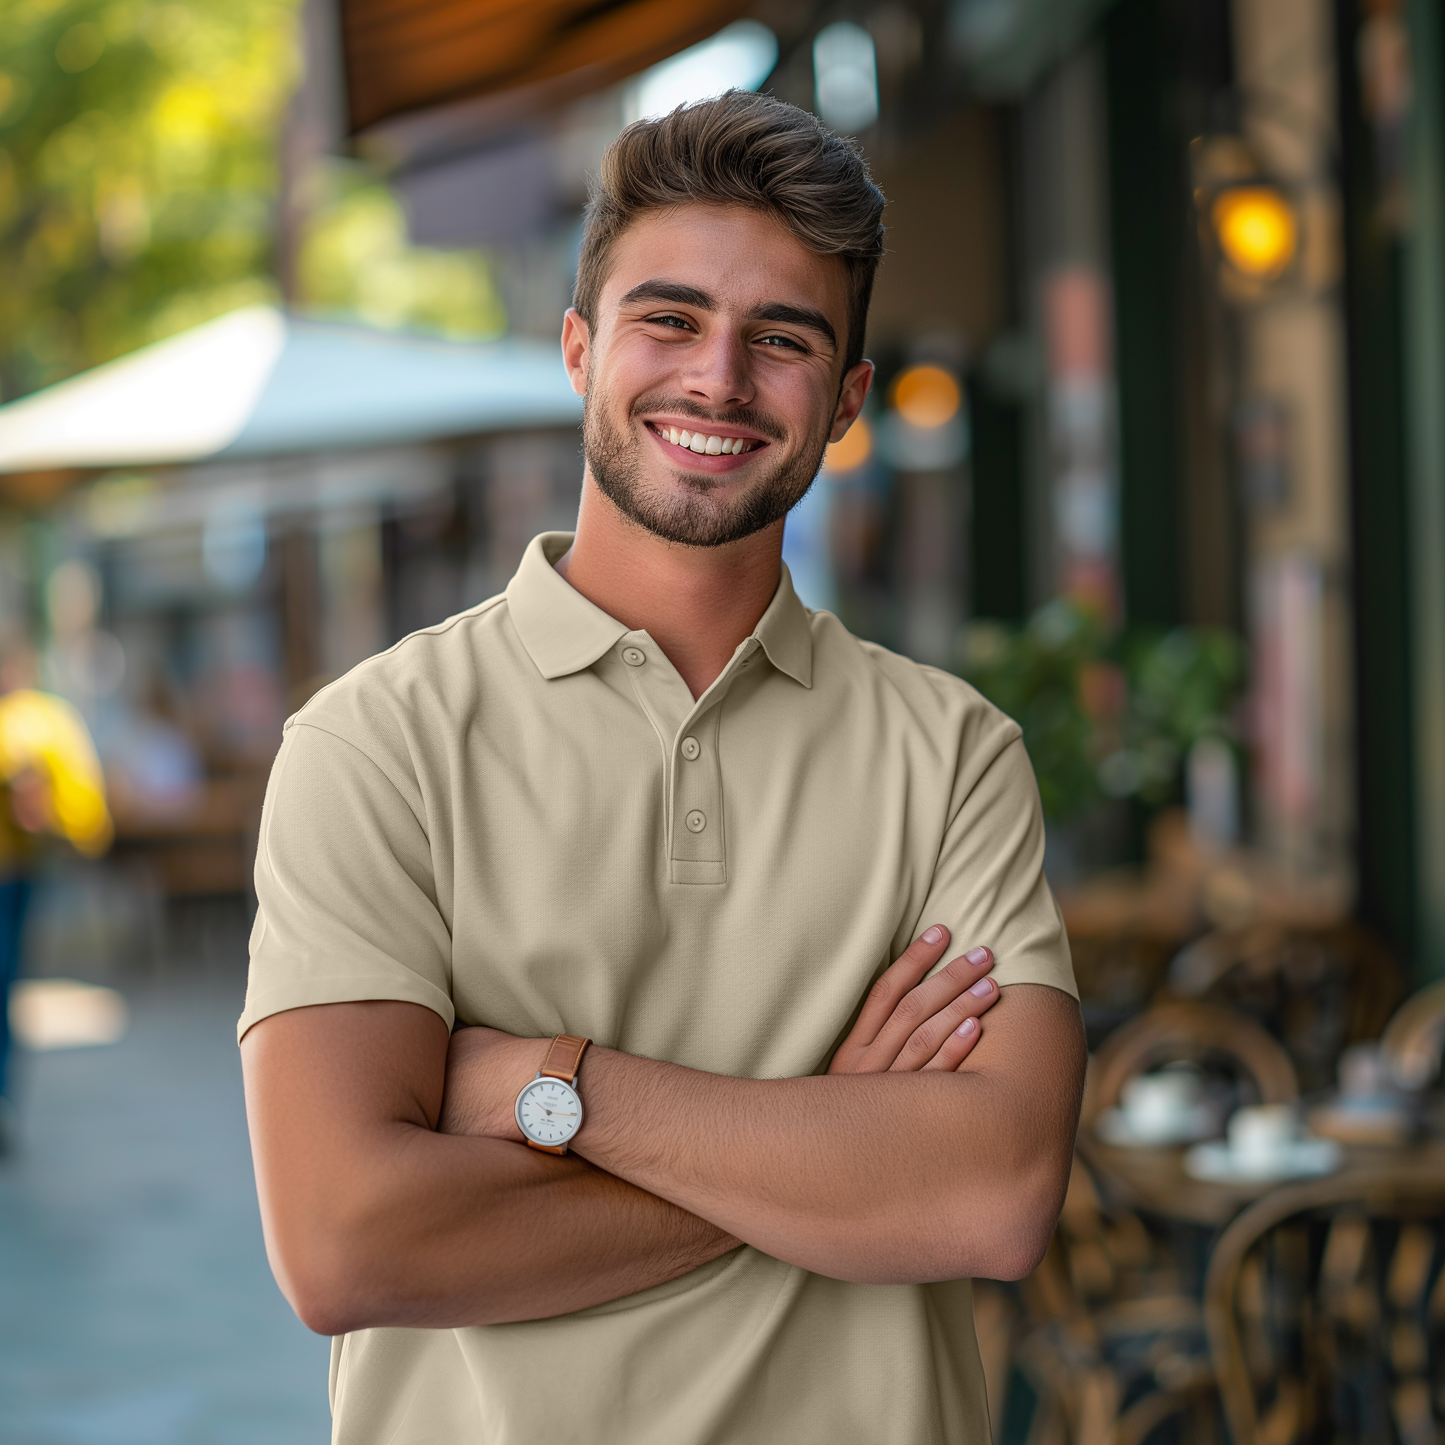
(740,150)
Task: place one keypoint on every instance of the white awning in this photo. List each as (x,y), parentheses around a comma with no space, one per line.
(259,382)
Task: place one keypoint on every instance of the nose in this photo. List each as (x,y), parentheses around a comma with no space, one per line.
(717,370)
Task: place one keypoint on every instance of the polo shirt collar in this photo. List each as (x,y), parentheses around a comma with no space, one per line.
(785,633)
(564,633)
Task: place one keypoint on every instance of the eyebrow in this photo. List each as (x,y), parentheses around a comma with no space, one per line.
(796,316)
(673,291)
(677,294)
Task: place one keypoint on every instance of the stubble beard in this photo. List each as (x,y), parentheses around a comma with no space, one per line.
(704,514)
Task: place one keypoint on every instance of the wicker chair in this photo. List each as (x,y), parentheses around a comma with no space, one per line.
(1114,1346)
(1325,1304)
(1415,1038)
(1184,1030)
(1316,990)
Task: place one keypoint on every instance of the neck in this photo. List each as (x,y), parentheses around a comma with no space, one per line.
(697,603)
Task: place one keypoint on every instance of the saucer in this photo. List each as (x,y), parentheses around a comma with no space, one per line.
(1385,1121)
(1199,1122)
(1297,1159)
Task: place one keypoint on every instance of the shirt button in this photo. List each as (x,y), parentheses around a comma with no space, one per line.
(696,821)
(691,749)
(633,656)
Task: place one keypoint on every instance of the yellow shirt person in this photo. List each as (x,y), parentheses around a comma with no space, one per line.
(49,765)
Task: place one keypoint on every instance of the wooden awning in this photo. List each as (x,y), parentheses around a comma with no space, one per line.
(404,57)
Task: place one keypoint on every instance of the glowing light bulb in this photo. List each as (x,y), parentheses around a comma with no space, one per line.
(1257,230)
(852,449)
(926,396)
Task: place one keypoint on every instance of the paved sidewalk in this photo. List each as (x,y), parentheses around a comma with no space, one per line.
(136,1306)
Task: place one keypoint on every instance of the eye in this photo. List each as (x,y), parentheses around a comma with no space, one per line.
(673,323)
(787,343)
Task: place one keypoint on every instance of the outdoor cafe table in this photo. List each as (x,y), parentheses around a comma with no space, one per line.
(1154,1181)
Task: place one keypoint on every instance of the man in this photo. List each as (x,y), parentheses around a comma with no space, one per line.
(645,798)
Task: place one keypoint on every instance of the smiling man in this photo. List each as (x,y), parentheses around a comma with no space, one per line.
(586,1105)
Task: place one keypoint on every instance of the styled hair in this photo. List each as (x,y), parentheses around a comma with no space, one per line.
(740,150)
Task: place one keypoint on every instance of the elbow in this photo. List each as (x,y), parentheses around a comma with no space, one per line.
(333,1266)
(329,1301)
(1017,1256)
(324,1286)
(324,1312)
(336,1248)
(1022,1226)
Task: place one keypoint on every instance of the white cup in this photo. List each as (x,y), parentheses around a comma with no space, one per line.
(1364,1073)
(1156,1106)
(1259,1133)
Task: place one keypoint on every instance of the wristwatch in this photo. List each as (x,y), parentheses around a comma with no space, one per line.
(549,1108)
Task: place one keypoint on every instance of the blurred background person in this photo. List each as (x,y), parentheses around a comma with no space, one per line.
(53,789)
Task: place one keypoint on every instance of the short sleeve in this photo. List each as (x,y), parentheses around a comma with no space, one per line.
(988,884)
(346,901)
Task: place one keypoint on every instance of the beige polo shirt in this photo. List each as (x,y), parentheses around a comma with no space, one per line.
(522,818)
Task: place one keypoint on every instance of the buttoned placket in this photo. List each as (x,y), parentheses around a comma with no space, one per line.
(688,731)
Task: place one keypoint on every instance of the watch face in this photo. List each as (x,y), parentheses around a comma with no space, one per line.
(549,1111)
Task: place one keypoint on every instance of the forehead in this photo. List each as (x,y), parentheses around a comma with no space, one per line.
(741,257)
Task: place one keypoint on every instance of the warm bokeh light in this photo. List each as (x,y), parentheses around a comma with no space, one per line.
(926,396)
(852,450)
(1257,230)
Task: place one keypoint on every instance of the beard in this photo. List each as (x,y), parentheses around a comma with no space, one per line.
(707,512)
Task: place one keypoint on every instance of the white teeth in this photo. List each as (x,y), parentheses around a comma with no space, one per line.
(704,445)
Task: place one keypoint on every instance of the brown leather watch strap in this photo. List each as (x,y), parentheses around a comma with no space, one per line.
(563,1061)
(564,1058)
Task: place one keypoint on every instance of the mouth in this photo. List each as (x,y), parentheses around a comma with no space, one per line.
(723,447)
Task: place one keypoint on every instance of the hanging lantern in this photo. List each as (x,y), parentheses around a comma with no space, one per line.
(926,396)
(1257,230)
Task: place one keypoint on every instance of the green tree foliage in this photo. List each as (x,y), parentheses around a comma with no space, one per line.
(1035,674)
(137,172)
(139,189)
(1106,715)
(357,263)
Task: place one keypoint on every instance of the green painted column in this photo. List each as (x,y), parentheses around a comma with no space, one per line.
(1425,418)
(1147,199)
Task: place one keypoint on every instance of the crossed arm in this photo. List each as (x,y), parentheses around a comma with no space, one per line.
(394,1189)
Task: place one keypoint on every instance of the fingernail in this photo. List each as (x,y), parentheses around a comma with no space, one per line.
(933,935)
(966,1027)
(977,956)
(982,988)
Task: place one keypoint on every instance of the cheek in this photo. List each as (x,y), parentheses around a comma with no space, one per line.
(634,365)
(800,400)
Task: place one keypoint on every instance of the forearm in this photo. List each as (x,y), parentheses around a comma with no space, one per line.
(480,1231)
(877,1178)
(848,1176)
(382,1221)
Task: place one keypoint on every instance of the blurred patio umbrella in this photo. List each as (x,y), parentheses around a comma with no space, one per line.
(260,382)
(518,57)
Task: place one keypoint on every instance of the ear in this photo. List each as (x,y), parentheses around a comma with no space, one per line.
(857,383)
(576,349)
